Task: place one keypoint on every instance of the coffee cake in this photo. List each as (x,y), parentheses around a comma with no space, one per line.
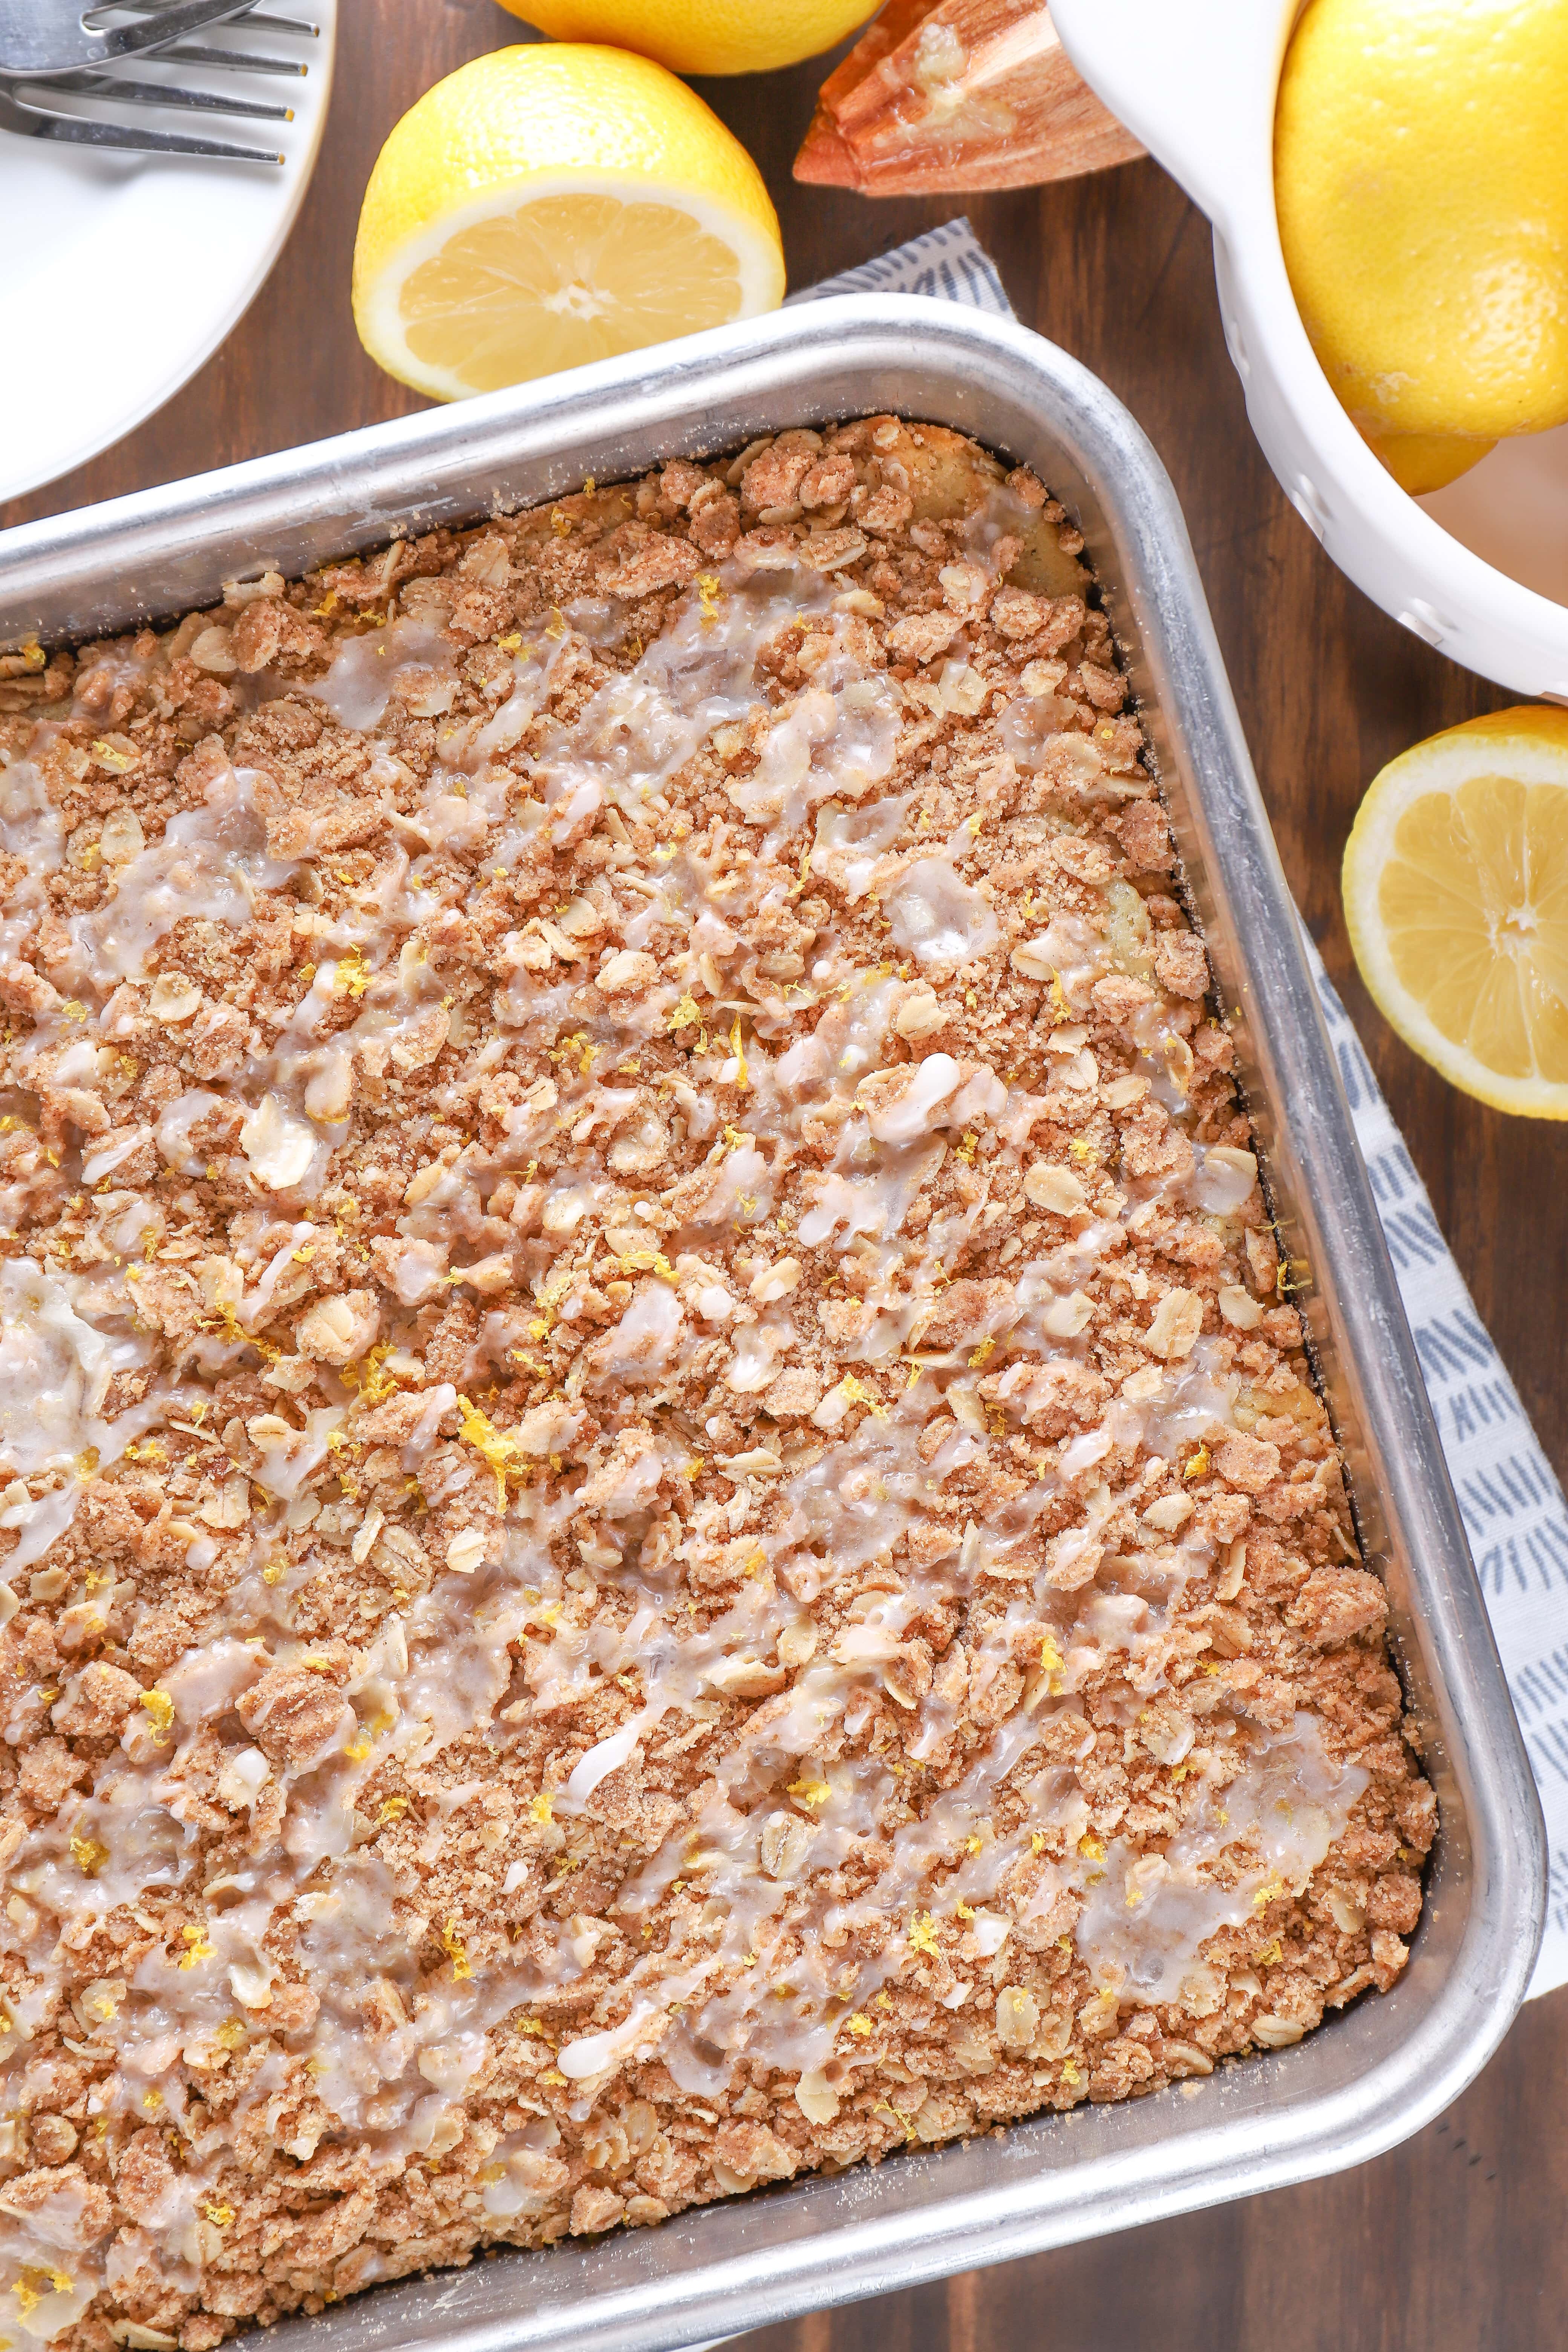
(667,1520)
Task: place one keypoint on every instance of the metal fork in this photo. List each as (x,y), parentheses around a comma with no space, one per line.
(31,121)
(51,36)
(250,11)
(25,111)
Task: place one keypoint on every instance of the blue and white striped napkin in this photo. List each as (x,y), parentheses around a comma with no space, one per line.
(1513,1505)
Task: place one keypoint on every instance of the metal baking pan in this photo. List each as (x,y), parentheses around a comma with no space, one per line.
(1369,2075)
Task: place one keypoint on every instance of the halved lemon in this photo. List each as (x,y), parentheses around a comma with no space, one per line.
(548,206)
(1456,881)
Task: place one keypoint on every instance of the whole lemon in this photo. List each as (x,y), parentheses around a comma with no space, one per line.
(702,37)
(1421,172)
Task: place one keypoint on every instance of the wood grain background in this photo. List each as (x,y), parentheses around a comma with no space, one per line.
(1455,2242)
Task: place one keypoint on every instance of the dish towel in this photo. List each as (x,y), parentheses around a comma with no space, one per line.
(1512,1506)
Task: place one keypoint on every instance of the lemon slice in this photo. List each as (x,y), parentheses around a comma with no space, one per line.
(1456,882)
(549,205)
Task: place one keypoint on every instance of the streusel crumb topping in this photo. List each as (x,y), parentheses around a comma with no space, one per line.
(667,1524)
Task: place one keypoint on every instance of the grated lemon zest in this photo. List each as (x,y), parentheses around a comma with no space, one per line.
(197,1947)
(854,1392)
(87,1854)
(497,1446)
(160,1709)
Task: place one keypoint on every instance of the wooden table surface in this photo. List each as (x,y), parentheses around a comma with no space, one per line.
(1456,2241)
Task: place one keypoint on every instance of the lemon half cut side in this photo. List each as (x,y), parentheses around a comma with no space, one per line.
(547,206)
(1456,884)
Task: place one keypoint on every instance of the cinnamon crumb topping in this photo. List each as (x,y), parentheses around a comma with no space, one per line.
(667,1520)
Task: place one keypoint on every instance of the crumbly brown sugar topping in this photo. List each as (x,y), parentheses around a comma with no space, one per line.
(667,1520)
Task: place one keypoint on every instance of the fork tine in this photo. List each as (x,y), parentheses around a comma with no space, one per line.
(152,93)
(76,131)
(231,60)
(250,17)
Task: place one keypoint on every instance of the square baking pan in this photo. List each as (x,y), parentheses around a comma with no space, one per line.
(1376,2072)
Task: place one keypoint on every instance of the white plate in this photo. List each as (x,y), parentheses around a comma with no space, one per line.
(120,275)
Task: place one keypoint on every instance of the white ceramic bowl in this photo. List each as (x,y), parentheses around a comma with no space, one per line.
(1480,569)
